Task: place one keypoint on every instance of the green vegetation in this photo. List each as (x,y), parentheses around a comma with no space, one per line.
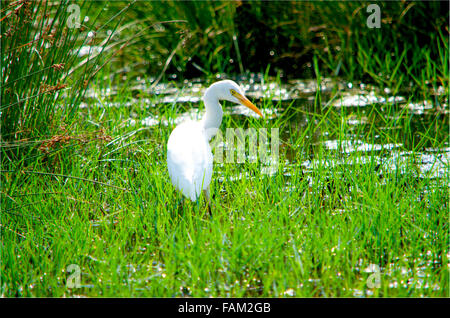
(235,37)
(88,185)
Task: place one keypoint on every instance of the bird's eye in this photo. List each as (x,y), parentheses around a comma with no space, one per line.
(233,92)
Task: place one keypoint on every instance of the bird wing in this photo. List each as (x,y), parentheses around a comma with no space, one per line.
(189,159)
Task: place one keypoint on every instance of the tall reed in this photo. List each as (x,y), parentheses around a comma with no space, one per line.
(41,56)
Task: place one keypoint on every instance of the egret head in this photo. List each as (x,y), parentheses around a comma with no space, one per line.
(232,92)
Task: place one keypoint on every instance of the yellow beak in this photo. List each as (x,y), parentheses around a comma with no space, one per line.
(244,101)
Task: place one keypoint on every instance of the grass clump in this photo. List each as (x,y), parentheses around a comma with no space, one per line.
(44,67)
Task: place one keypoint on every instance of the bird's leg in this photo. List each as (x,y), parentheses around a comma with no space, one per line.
(208,200)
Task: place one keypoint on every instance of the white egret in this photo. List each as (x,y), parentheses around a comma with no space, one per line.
(189,155)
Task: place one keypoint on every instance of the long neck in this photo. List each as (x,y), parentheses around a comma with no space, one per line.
(213,117)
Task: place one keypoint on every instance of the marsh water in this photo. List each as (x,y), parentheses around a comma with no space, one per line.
(390,128)
(359,123)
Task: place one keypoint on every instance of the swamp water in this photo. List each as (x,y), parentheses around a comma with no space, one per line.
(354,121)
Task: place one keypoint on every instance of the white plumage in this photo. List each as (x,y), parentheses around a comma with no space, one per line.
(189,159)
(189,155)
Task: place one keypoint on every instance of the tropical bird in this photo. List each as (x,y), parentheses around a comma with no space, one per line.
(189,155)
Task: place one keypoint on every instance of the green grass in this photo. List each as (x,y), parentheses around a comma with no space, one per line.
(107,205)
(235,37)
(86,186)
